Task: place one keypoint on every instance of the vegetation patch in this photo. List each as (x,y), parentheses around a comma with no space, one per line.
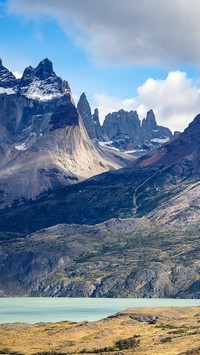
(122,344)
(7,351)
(166,340)
(191,352)
(165,326)
(128,343)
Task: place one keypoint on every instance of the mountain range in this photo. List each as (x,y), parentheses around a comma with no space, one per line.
(77,220)
(123,130)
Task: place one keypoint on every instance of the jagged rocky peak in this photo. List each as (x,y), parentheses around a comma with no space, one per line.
(85,110)
(44,69)
(7,79)
(35,102)
(28,75)
(84,107)
(42,83)
(95,116)
(91,121)
(150,121)
(123,129)
(150,130)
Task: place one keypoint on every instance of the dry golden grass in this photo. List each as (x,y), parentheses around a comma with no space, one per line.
(158,331)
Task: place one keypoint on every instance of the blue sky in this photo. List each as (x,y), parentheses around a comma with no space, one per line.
(122,54)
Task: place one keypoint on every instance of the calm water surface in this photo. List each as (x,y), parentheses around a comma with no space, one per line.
(33,310)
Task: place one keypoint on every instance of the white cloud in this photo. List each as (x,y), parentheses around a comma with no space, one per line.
(175,100)
(146,32)
(17,74)
(128,31)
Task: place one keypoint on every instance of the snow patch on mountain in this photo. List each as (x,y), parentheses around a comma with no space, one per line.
(7,91)
(134,151)
(21,146)
(108,144)
(40,90)
(160,140)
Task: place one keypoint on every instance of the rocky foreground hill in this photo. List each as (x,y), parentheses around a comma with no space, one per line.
(131,232)
(118,258)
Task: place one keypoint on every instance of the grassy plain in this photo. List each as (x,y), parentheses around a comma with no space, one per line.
(153,331)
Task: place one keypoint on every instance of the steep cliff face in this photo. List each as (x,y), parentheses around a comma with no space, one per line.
(123,128)
(91,121)
(44,144)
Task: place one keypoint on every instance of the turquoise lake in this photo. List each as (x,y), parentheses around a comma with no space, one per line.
(33,310)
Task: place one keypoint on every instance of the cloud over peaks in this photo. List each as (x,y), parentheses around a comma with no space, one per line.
(126,32)
(175,100)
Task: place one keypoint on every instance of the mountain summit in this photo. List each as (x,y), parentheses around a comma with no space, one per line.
(91,121)
(44,144)
(44,69)
(42,83)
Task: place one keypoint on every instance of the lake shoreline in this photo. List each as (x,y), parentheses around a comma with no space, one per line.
(38,309)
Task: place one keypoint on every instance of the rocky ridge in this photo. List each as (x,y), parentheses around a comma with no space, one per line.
(126,131)
(123,130)
(91,121)
(163,186)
